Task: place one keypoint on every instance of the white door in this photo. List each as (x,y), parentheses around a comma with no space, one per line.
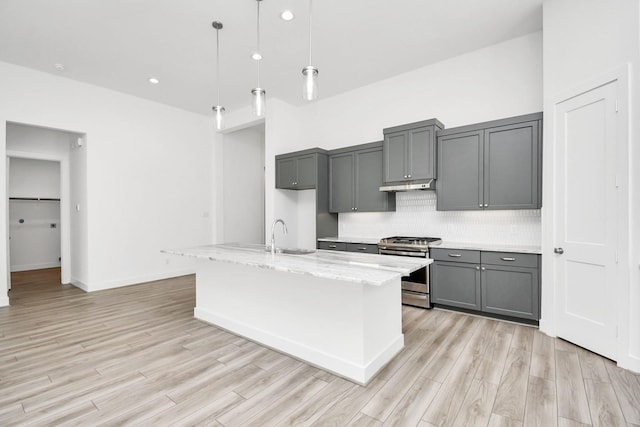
(585,219)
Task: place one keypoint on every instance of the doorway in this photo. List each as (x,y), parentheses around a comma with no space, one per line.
(34,214)
(29,144)
(243,186)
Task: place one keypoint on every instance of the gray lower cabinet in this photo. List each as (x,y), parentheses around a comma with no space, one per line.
(458,284)
(492,165)
(502,283)
(510,291)
(355,175)
(410,151)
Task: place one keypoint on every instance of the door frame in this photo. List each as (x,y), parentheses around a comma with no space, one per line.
(65,212)
(548,321)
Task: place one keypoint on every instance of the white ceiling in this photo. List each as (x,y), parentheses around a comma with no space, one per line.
(119,44)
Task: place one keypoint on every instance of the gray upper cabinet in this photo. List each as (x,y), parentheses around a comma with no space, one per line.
(355,176)
(304,170)
(297,171)
(492,165)
(460,171)
(410,151)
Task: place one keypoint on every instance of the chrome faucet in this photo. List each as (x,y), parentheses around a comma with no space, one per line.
(273,237)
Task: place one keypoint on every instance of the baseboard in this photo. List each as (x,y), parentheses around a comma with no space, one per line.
(360,374)
(630,362)
(4,300)
(28,267)
(80,285)
(100,286)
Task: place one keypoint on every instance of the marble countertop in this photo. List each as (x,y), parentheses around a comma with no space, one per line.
(370,269)
(447,244)
(495,247)
(342,239)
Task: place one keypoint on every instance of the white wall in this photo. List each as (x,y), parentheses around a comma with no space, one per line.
(148,173)
(34,243)
(584,41)
(243,185)
(34,178)
(496,82)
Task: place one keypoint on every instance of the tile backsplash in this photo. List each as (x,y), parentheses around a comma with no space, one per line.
(416,215)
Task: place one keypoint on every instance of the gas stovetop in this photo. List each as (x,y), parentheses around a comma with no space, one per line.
(415,243)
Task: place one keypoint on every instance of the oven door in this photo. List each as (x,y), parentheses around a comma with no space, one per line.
(415,288)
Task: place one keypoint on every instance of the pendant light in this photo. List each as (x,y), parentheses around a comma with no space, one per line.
(258,103)
(218,110)
(310,73)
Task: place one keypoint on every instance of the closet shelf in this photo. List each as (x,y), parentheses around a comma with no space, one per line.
(36,199)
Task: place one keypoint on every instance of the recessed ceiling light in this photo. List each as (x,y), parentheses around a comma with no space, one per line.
(153,80)
(256,56)
(287,15)
(59,67)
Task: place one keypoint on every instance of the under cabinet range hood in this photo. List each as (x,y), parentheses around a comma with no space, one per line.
(428,184)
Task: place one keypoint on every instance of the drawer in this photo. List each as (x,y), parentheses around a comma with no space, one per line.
(416,299)
(362,247)
(332,246)
(454,255)
(510,259)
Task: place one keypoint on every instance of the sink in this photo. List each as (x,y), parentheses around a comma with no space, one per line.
(292,251)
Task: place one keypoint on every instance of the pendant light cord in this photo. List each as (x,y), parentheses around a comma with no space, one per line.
(218,63)
(310,7)
(258,39)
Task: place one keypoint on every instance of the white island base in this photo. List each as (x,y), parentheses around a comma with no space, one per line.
(348,328)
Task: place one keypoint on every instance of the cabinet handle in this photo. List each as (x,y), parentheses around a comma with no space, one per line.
(362,249)
(507,259)
(355,209)
(332,246)
(480,205)
(486,205)
(455,255)
(483,269)
(409,176)
(477,268)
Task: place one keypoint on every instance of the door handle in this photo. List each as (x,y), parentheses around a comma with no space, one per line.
(558,251)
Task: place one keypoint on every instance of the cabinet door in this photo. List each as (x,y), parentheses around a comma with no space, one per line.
(368,179)
(286,173)
(511,166)
(511,291)
(460,172)
(395,156)
(306,171)
(341,183)
(456,284)
(421,154)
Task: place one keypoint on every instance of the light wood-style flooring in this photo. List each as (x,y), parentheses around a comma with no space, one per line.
(136,356)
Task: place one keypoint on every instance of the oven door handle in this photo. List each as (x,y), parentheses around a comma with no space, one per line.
(402,253)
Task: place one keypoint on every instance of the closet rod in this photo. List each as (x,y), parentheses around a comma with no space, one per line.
(39,199)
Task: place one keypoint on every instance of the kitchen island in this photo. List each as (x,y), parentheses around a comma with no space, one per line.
(339,311)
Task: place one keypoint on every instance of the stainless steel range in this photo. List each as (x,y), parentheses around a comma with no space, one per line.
(415,288)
